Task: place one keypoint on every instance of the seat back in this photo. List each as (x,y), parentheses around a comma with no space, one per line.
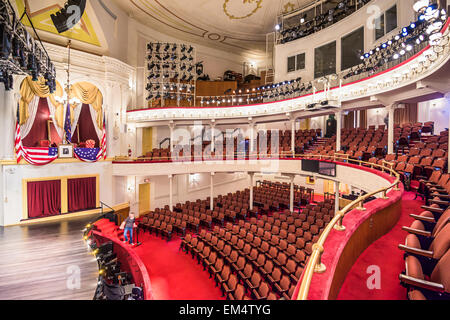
(255,279)
(285,283)
(232,282)
(441,243)
(239,293)
(441,273)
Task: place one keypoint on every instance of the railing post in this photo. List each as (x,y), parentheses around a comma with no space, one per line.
(361,206)
(384,195)
(319,267)
(339,226)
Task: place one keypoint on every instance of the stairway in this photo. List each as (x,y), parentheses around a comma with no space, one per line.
(318,143)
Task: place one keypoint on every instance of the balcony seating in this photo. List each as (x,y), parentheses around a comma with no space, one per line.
(427,256)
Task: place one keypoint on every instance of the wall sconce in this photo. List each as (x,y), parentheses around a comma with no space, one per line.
(194,179)
(130,188)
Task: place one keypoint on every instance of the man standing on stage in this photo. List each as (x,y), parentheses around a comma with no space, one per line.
(128,226)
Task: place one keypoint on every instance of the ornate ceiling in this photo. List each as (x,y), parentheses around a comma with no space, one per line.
(235,25)
(87,33)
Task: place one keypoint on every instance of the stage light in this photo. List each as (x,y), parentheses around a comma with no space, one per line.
(421,5)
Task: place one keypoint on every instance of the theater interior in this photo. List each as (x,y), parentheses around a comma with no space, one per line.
(224,150)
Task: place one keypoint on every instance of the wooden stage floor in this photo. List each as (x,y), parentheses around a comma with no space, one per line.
(48,261)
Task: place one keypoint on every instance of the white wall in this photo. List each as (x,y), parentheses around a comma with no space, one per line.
(435,110)
(375,117)
(8,115)
(12,176)
(361,18)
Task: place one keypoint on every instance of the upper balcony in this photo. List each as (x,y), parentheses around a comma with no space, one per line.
(409,68)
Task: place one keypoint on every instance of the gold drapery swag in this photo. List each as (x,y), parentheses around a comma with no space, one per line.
(86,92)
(29,89)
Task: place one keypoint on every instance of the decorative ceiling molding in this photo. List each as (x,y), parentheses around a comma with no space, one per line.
(238,25)
(226,9)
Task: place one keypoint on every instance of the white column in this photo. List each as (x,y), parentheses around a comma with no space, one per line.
(291,202)
(171,192)
(171,127)
(293,137)
(251,125)
(336,196)
(390,129)
(251,190)
(8,115)
(213,138)
(338,130)
(211,193)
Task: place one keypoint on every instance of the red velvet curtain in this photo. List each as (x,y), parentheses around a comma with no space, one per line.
(44,198)
(82,194)
(85,128)
(39,130)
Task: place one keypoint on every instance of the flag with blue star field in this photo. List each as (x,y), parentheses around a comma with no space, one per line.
(93,154)
(87,154)
(68,125)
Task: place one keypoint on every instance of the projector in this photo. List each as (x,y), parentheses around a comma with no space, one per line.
(313,107)
(69,16)
(329,104)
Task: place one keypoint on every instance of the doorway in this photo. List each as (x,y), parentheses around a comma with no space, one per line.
(144,198)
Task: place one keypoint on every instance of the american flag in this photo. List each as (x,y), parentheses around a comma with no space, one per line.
(93,154)
(87,154)
(18,138)
(40,156)
(35,156)
(103,142)
(68,125)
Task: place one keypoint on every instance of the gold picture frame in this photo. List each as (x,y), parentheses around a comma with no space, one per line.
(49,130)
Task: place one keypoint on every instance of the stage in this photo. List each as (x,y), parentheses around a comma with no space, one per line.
(47,261)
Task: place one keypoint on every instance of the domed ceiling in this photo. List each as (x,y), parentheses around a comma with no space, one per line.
(236,25)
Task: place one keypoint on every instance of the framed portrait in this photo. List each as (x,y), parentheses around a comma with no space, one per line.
(65,151)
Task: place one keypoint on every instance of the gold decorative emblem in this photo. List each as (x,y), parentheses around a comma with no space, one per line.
(288,7)
(258,6)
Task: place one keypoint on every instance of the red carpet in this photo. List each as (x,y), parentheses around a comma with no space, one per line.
(384,254)
(174,275)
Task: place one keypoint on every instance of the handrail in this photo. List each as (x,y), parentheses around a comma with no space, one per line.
(315,264)
(164,140)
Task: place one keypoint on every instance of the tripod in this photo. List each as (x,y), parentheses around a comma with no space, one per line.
(137,237)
